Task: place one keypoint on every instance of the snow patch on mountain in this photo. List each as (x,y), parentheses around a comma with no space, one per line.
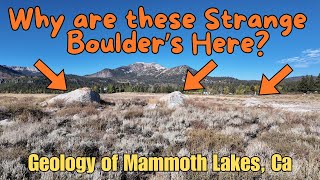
(151,65)
(143,69)
(20,69)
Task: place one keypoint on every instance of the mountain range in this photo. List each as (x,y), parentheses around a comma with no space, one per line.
(137,73)
(150,73)
(17,71)
(145,73)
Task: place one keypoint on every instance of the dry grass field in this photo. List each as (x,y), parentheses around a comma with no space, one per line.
(126,123)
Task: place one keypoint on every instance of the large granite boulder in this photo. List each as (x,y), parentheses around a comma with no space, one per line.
(83,95)
(174,99)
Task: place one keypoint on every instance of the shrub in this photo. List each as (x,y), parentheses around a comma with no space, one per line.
(200,140)
(133,113)
(77,108)
(24,113)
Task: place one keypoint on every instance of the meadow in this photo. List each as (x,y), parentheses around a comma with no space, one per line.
(138,123)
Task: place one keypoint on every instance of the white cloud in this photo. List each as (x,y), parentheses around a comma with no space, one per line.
(307,58)
(301,65)
(312,53)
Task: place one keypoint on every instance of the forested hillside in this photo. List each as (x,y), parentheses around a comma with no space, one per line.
(38,84)
(144,77)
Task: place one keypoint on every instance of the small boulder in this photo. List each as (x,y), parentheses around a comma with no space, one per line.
(252,102)
(173,99)
(6,122)
(83,95)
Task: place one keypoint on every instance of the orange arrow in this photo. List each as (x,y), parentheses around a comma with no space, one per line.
(268,86)
(58,82)
(192,82)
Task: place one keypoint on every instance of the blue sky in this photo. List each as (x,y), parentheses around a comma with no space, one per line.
(301,49)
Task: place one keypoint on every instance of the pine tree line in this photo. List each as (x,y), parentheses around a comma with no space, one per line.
(309,84)
(36,85)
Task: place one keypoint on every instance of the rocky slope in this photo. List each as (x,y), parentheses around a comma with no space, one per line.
(29,71)
(150,73)
(6,72)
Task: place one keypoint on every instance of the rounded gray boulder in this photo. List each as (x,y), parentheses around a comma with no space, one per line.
(83,95)
(173,99)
